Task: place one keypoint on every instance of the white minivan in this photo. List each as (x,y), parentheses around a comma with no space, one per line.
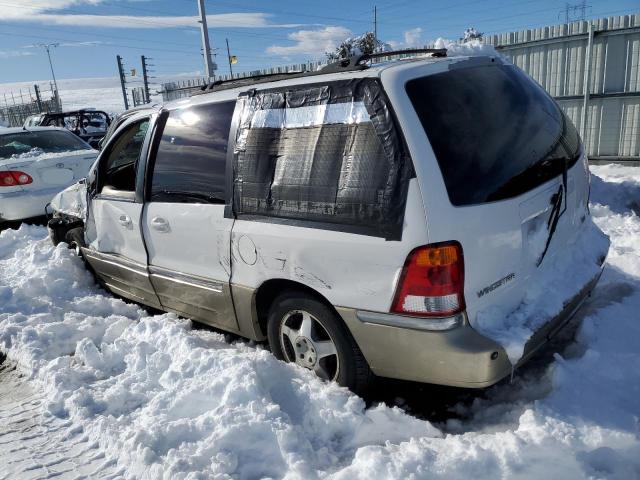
(424,219)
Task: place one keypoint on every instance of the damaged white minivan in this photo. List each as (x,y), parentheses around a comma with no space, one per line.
(423,219)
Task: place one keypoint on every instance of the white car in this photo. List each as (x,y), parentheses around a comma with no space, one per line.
(423,219)
(36,164)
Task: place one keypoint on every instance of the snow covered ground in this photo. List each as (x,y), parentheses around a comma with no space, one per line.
(101,93)
(109,390)
(76,93)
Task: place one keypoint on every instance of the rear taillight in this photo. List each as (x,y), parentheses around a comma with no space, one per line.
(432,282)
(14,178)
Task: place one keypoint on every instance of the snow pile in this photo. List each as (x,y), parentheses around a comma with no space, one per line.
(547,291)
(469,48)
(165,401)
(162,398)
(34,152)
(38,155)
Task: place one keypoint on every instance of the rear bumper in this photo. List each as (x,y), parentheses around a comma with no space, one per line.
(551,328)
(26,204)
(459,357)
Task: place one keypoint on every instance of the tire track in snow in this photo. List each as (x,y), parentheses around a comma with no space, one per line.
(47,446)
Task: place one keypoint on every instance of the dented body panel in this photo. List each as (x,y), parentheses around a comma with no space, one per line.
(350,270)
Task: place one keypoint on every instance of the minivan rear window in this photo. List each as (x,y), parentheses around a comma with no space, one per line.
(495,133)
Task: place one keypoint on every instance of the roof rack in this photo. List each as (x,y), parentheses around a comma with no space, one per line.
(355,62)
(250,80)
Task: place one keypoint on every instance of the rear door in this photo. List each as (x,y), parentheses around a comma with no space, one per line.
(185,230)
(116,249)
(501,145)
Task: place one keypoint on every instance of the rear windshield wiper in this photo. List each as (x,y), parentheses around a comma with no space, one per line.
(557,211)
(189,196)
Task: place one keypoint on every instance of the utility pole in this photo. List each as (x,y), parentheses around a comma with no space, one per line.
(47,47)
(229,57)
(145,79)
(206,48)
(587,83)
(375,24)
(38,99)
(123,82)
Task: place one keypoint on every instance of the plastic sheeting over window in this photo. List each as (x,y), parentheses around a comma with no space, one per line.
(327,153)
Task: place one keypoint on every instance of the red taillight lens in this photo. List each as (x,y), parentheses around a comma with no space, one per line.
(432,281)
(14,178)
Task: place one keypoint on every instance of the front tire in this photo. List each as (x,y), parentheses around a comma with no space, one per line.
(305,331)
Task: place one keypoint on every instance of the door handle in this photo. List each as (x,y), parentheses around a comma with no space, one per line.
(160,224)
(124,220)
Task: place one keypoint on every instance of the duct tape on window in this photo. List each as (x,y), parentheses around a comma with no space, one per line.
(322,154)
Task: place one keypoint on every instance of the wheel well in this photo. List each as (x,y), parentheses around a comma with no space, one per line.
(269,290)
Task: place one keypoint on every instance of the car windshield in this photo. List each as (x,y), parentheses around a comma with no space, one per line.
(37,143)
(495,133)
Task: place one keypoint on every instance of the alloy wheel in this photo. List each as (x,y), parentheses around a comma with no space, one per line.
(306,342)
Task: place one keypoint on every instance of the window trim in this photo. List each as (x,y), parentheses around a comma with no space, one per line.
(155,145)
(368,230)
(128,196)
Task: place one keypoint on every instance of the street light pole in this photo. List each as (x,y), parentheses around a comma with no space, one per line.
(47,47)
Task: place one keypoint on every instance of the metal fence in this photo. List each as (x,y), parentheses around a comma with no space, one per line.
(139,96)
(592,68)
(16,107)
(185,88)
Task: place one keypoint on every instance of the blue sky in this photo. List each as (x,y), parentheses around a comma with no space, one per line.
(261,34)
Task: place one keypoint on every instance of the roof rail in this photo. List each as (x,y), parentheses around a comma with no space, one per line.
(355,62)
(238,82)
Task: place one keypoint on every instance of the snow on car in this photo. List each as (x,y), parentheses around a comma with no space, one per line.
(128,394)
(36,164)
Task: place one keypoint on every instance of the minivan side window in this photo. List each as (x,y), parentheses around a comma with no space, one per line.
(191,159)
(119,168)
(326,155)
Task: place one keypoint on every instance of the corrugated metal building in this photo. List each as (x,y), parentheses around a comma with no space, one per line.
(601,57)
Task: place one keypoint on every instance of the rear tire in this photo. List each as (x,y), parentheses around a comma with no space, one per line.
(303,330)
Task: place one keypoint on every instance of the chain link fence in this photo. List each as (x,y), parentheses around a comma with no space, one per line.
(16,107)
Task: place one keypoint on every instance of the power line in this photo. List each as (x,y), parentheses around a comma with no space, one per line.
(119,37)
(11,34)
(574,11)
(297,14)
(145,21)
